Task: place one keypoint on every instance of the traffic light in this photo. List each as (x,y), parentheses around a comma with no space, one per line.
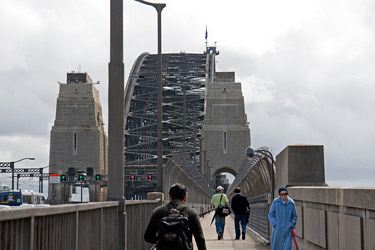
(90,171)
(149,177)
(132,177)
(71,171)
(81,177)
(63,178)
(98,177)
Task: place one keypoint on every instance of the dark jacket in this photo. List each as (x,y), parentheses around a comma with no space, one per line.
(193,222)
(239,204)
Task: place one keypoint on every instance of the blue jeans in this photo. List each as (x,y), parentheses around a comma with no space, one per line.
(220,224)
(237,219)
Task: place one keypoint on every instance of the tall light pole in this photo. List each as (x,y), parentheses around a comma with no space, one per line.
(12,167)
(250,153)
(116,118)
(159,182)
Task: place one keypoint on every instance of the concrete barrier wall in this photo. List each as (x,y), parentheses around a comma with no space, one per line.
(138,215)
(335,217)
(91,226)
(78,226)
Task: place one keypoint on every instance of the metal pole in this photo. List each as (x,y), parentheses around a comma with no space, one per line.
(207,173)
(18,177)
(12,168)
(195,142)
(159,133)
(116,119)
(81,192)
(53,193)
(40,179)
(184,116)
(204,163)
(159,183)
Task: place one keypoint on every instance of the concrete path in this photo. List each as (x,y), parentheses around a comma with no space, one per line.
(228,243)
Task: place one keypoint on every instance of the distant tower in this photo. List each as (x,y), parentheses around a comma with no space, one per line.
(78,139)
(225,130)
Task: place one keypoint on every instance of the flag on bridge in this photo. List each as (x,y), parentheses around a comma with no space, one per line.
(206,34)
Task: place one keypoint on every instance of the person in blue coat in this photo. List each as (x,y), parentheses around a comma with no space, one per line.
(283,217)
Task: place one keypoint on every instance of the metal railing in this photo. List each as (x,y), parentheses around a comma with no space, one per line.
(258,219)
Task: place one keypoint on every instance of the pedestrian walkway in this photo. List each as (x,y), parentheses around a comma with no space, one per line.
(228,243)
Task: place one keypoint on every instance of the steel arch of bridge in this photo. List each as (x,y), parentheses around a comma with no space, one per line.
(184,79)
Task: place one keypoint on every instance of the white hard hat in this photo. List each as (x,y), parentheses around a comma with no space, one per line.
(219,188)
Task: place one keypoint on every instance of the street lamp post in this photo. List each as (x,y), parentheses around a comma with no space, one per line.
(115,190)
(12,168)
(250,153)
(159,184)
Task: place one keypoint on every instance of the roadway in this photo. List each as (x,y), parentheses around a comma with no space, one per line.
(212,243)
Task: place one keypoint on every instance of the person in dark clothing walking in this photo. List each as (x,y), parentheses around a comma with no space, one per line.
(177,197)
(240,207)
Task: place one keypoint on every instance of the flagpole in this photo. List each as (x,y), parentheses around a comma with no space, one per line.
(206,35)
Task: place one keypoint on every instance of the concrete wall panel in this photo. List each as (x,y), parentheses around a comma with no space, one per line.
(370,234)
(333,231)
(299,224)
(349,232)
(314,226)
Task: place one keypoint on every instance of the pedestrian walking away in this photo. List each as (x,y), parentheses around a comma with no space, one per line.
(241,209)
(172,225)
(219,199)
(283,218)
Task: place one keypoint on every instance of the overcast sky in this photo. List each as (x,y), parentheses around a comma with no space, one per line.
(306,67)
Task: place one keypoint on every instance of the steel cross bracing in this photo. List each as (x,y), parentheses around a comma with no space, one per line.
(22,170)
(180,71)
(5,164)
(184,77)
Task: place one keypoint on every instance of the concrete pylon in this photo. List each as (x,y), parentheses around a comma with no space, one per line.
(225,132)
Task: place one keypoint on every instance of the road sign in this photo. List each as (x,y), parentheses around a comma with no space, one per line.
(54,178)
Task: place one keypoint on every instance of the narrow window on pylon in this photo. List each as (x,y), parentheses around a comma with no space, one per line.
(75,144)
(225,140)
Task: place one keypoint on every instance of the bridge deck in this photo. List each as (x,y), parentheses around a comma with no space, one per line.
(251,241)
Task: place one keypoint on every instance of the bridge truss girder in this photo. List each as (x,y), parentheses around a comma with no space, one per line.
(184,77)
(183,81)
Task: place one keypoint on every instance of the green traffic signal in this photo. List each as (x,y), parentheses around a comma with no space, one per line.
(63,178)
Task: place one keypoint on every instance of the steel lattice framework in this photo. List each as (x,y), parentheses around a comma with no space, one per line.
(184,76)
(183,86)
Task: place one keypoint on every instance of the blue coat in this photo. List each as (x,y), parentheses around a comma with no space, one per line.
(283,218)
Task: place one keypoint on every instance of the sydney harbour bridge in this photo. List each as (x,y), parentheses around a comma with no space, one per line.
(184,81)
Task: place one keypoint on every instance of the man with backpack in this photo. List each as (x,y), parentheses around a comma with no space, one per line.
(172,225)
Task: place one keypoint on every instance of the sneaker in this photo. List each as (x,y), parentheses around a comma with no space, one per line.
(237,238)
(219,236)
(243,235)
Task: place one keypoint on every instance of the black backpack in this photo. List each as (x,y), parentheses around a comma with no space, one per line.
(173,231)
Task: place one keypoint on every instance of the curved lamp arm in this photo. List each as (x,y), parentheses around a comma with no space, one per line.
(29,158)
(155,5)
(250,153)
